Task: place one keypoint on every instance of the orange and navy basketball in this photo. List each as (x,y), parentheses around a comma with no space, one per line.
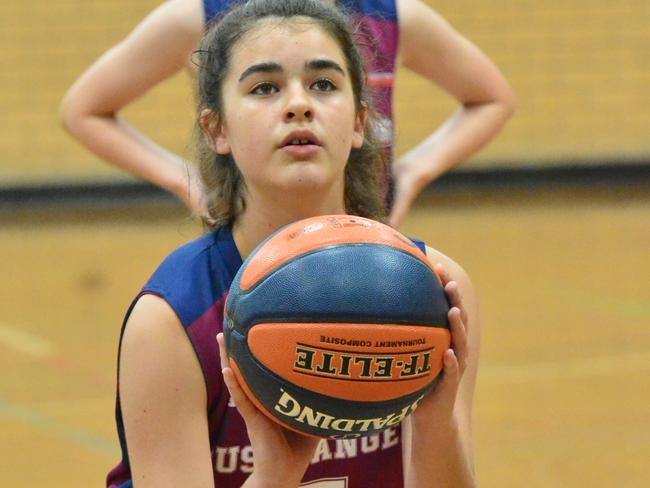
(336,326)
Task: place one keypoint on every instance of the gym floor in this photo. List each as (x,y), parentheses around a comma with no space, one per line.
(562,276)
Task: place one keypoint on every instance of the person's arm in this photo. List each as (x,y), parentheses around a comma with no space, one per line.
(156,49)
(430,47)
(438,443)
(163,399)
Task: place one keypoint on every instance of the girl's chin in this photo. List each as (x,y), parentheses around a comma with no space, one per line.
(299,180)
(308,177)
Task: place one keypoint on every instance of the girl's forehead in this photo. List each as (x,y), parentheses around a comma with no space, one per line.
(285,38)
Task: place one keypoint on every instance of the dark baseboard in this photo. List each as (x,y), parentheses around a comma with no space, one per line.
(111,195)
(543,174)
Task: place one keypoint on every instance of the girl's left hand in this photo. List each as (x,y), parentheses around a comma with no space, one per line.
(440,403)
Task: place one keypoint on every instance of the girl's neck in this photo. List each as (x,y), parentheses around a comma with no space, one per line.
(262,217)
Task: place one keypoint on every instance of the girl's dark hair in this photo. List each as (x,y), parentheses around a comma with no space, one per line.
(366,168)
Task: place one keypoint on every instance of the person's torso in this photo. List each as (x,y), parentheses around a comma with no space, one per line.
(194,280)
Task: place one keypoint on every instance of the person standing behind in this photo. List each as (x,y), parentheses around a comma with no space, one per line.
(162,44)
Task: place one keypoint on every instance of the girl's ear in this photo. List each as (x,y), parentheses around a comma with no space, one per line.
(360,126)
(214,131)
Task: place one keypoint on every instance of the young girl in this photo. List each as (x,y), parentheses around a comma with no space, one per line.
(407,30)
(286,131)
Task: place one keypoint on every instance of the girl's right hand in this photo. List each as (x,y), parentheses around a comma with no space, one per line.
(281,456)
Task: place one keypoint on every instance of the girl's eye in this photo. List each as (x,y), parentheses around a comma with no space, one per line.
(264,88)
(324,85)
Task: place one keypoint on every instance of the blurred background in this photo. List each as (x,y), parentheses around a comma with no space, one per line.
(552,221)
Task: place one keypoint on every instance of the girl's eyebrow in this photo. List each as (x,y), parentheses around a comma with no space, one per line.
(323,64)
(272,67)
(267,67)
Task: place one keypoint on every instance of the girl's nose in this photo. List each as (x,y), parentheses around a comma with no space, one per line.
(299,106)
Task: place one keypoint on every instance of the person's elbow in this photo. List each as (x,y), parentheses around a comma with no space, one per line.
(498,98)
(507,100)
(75,112)
(502,105)
(70,115)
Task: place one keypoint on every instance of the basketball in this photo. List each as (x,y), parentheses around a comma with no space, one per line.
(336,326)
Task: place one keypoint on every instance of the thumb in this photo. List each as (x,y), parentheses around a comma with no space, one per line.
(448,387)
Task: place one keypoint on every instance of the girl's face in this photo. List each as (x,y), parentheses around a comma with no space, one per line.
(289,113)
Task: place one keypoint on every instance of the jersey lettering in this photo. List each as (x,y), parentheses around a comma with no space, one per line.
(227,459)
(240,458)
(327,483)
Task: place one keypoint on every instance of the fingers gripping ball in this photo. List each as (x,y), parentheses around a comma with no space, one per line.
(336,326)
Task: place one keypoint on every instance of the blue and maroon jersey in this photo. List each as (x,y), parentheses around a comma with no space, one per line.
(378,37)
(194,280)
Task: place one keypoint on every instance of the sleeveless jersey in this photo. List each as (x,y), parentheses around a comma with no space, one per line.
(194,280)
(378,37)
